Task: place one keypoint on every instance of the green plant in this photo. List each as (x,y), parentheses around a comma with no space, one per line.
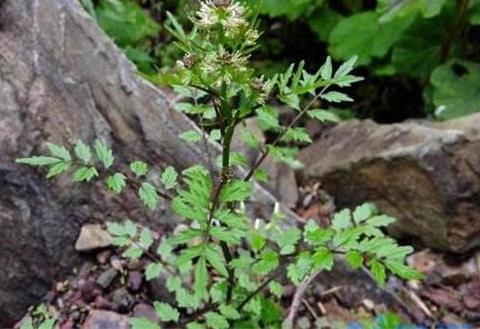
(39,318)
(224,270)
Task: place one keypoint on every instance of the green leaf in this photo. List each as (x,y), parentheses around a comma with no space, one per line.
(363,212)
(354,259)
(191,136)
(297,134)
(59,152)
(378,272)
(104,154)
(257,241)
(27,323)
(148,194)
(48,324)
(142,323)
(323,259)
(381,221)
(116,229)
(363,35)
(169,178)
(215,258)
(319,236)
(235,190)
(267,118)
(291,99)
(250,139)
(456,88)
(261,175)
(231,237)
(201,277)
(82,151)
(166,312)
(216,321)
(139,168)
(289,237)
(229,312)
(195,325)
(323,115)
(133,252)
(185,236)
(276,289)
(85,174)
(38,161)
(153,270)
(346,68)
(145,239)
(336,97)
(403,271)
(269,261)
(298,271)
(475,13)
(116,182)
(58,169)
(342,220)
(327,70)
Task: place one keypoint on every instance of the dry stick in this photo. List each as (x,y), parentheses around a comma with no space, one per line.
(297,298)
(279,137)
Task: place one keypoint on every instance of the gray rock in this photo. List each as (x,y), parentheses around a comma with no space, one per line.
(105,320)
(122,299)
(427,176)
(106,278)
(134,282)
(143,310)
(92,237)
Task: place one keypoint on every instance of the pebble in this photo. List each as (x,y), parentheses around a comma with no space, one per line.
(99,319)
(144,310)
(106,278)
(92,237)
(89,290)
(122,300)
(135,280)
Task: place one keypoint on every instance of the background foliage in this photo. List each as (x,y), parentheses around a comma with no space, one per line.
(420,56)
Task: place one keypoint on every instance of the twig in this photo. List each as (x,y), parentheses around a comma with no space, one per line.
(309,308)
(421,305)
(297,298)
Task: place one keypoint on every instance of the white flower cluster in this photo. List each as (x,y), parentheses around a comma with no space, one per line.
(230,16)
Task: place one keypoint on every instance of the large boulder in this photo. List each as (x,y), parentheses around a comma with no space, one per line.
(426,175)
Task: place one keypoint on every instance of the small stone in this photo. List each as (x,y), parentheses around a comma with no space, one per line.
(106,278)
(122,299)
(104,304)
(89,290)
(158,291)
(93,236)
(143,310)
(105,320)
(69,324)
(135,280)
(116,263)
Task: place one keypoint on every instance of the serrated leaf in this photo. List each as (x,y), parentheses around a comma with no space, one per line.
(354,259)
(142,323)
(269,261)
(276,289)
(297,134)
(201,277)
(148,194)
(116,182)
(215,258)
(216,321)
(153,270)
(48,324)
(378,272)
(130,228)
(299,271)
(323,115)
(116,229)
(191,136)
(323,259)
(235,190)
(146,239)
(257,241)
(363,212)
(229,312)
(342,220)
(336,97)
(38,160)
(381,221)
(104,154)
(319,236)
(59,151)
(82,151)
(231,237)
(139,168)
(346,68)
(289,237)
(169,178)
(58,169)
(133,252)
(195,325)
(85,174)
(27,323)
(261,175)
(166,312)
(404,271)
(327,70)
